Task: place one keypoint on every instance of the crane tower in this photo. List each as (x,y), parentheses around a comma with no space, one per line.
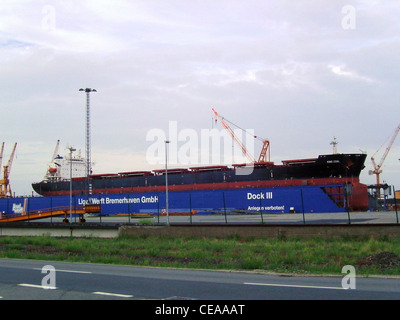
(5,188)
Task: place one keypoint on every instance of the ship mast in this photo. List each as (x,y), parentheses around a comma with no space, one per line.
(334,143)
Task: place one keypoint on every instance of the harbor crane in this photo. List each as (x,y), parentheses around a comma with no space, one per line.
(265,150)
(52,171)
(5,188)
(378,167)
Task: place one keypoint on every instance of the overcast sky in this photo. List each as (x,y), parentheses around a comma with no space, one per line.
(296,72)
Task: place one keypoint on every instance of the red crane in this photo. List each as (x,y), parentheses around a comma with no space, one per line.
(378,167)
(265,150)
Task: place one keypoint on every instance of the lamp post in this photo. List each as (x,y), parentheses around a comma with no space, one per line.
(166,180)
(71,149)
(88,154)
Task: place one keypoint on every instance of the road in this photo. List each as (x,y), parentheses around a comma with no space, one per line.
(23,280)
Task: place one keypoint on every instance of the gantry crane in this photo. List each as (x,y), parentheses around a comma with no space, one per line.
(5,188)
(265,150)
(378,167)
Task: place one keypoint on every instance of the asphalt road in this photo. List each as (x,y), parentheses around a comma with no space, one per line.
(24,280)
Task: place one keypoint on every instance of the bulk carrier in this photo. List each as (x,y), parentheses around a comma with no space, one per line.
(335,176)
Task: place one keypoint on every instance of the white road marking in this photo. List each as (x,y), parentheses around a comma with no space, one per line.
(70,271)
(113,294)
(292,286)
(36,286)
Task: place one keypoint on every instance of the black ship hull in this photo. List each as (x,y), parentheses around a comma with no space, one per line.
(325,169)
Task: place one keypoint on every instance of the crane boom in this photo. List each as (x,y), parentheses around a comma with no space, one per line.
(10,161)
(389,146)
(55,153)
(265,150)
(1,154)
(234,137)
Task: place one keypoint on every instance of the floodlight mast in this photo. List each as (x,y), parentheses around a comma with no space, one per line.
(88,138)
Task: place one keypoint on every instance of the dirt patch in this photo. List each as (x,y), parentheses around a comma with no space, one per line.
(382,260)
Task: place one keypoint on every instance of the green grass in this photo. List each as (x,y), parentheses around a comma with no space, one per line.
(314,256)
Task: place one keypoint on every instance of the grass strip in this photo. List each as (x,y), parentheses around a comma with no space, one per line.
(312,256)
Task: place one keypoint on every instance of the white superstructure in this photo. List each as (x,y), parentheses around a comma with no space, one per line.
(60,167)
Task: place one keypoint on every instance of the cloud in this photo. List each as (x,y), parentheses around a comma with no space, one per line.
(280,68)
(352,75)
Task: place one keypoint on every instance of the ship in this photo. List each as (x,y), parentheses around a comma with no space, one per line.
(337,175)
